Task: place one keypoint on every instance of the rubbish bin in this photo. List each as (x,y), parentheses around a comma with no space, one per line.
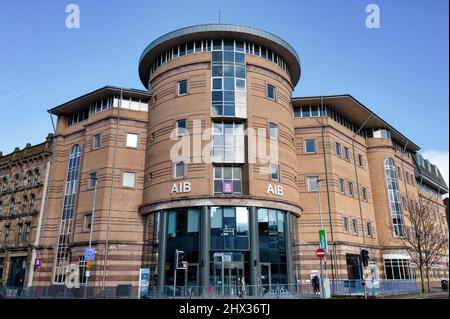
(444,284)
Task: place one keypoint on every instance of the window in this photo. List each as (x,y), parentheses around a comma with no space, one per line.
(229,228)
(360,160)
(16,182)
(96,142)
(338,149)
(32,203)
(25,205)
(82,270)
(394,197)
(87,225)
(27,232)
(310,146)
(12,207)
(355,226)
(179,170)
(345,224)
(70,195)
(37,178)
(346,153)
(182,87)
(181,127)
(128,179)
(7,234)
(341,185)
(275,172)
(313,183)
(1,208)
(364,193)
(399,269)
(29,179)
(407,177)
(350,188)
(369,229)
(228,143)
(4,184)
(92,180)
(228,94)
(273,130)
(271,92)
(132,140)
(399,172)
(227,180)
(19,233)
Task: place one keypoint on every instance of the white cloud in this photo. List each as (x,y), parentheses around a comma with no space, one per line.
(440,159)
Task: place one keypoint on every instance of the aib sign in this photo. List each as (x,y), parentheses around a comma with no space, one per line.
(227,187)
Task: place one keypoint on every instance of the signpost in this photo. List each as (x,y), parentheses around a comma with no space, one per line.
(323,240)
(89,253)
(144,280)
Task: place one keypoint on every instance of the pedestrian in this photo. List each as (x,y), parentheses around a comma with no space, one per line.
(241,287)
(315,283)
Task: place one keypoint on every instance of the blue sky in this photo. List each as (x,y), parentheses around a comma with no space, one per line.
(400,71)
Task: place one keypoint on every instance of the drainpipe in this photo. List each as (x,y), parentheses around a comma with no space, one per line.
(357,178)
(106,253)
(334,269)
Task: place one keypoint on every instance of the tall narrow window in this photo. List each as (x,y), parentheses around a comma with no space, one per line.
(345,224)
(273,130)
(275,172)
(312,183)
(182,87)
(355,226)
(27,232)
(96,142)
(25,205)
(271,92)
(360,160)
(369,229)
(181,127)
(346,153)
(350,188)
(63,252)
(32,203)
(37,178)
(12,207)
(179,170)
(92,180)
(228,143)
(19,233)
(338,149)
(394,197)
(87,222)
(341,185)
(364,193)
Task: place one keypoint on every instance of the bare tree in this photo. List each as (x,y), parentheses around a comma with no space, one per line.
(423,237)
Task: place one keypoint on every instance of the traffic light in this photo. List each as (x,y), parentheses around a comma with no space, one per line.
(180,259)
(365,257)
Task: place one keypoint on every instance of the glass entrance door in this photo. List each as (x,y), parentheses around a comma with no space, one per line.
(266,277)
(227,271)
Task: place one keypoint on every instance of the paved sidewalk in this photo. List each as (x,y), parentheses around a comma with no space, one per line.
(436,293)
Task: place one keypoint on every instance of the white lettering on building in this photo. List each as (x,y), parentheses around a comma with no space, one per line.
(275,190)
(184,187)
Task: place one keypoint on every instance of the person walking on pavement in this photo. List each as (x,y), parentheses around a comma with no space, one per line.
(316,285)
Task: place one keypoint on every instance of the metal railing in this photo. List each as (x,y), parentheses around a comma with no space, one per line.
(274,291)
(373,287)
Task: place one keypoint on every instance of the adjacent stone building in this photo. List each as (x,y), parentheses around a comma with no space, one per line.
(24,176)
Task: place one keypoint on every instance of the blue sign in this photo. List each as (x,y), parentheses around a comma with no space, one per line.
(89,254)
(144,281)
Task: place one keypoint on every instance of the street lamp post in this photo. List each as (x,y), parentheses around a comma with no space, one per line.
(90,233)
(323,272)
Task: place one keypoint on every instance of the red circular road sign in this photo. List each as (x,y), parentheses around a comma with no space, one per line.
(320,253)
